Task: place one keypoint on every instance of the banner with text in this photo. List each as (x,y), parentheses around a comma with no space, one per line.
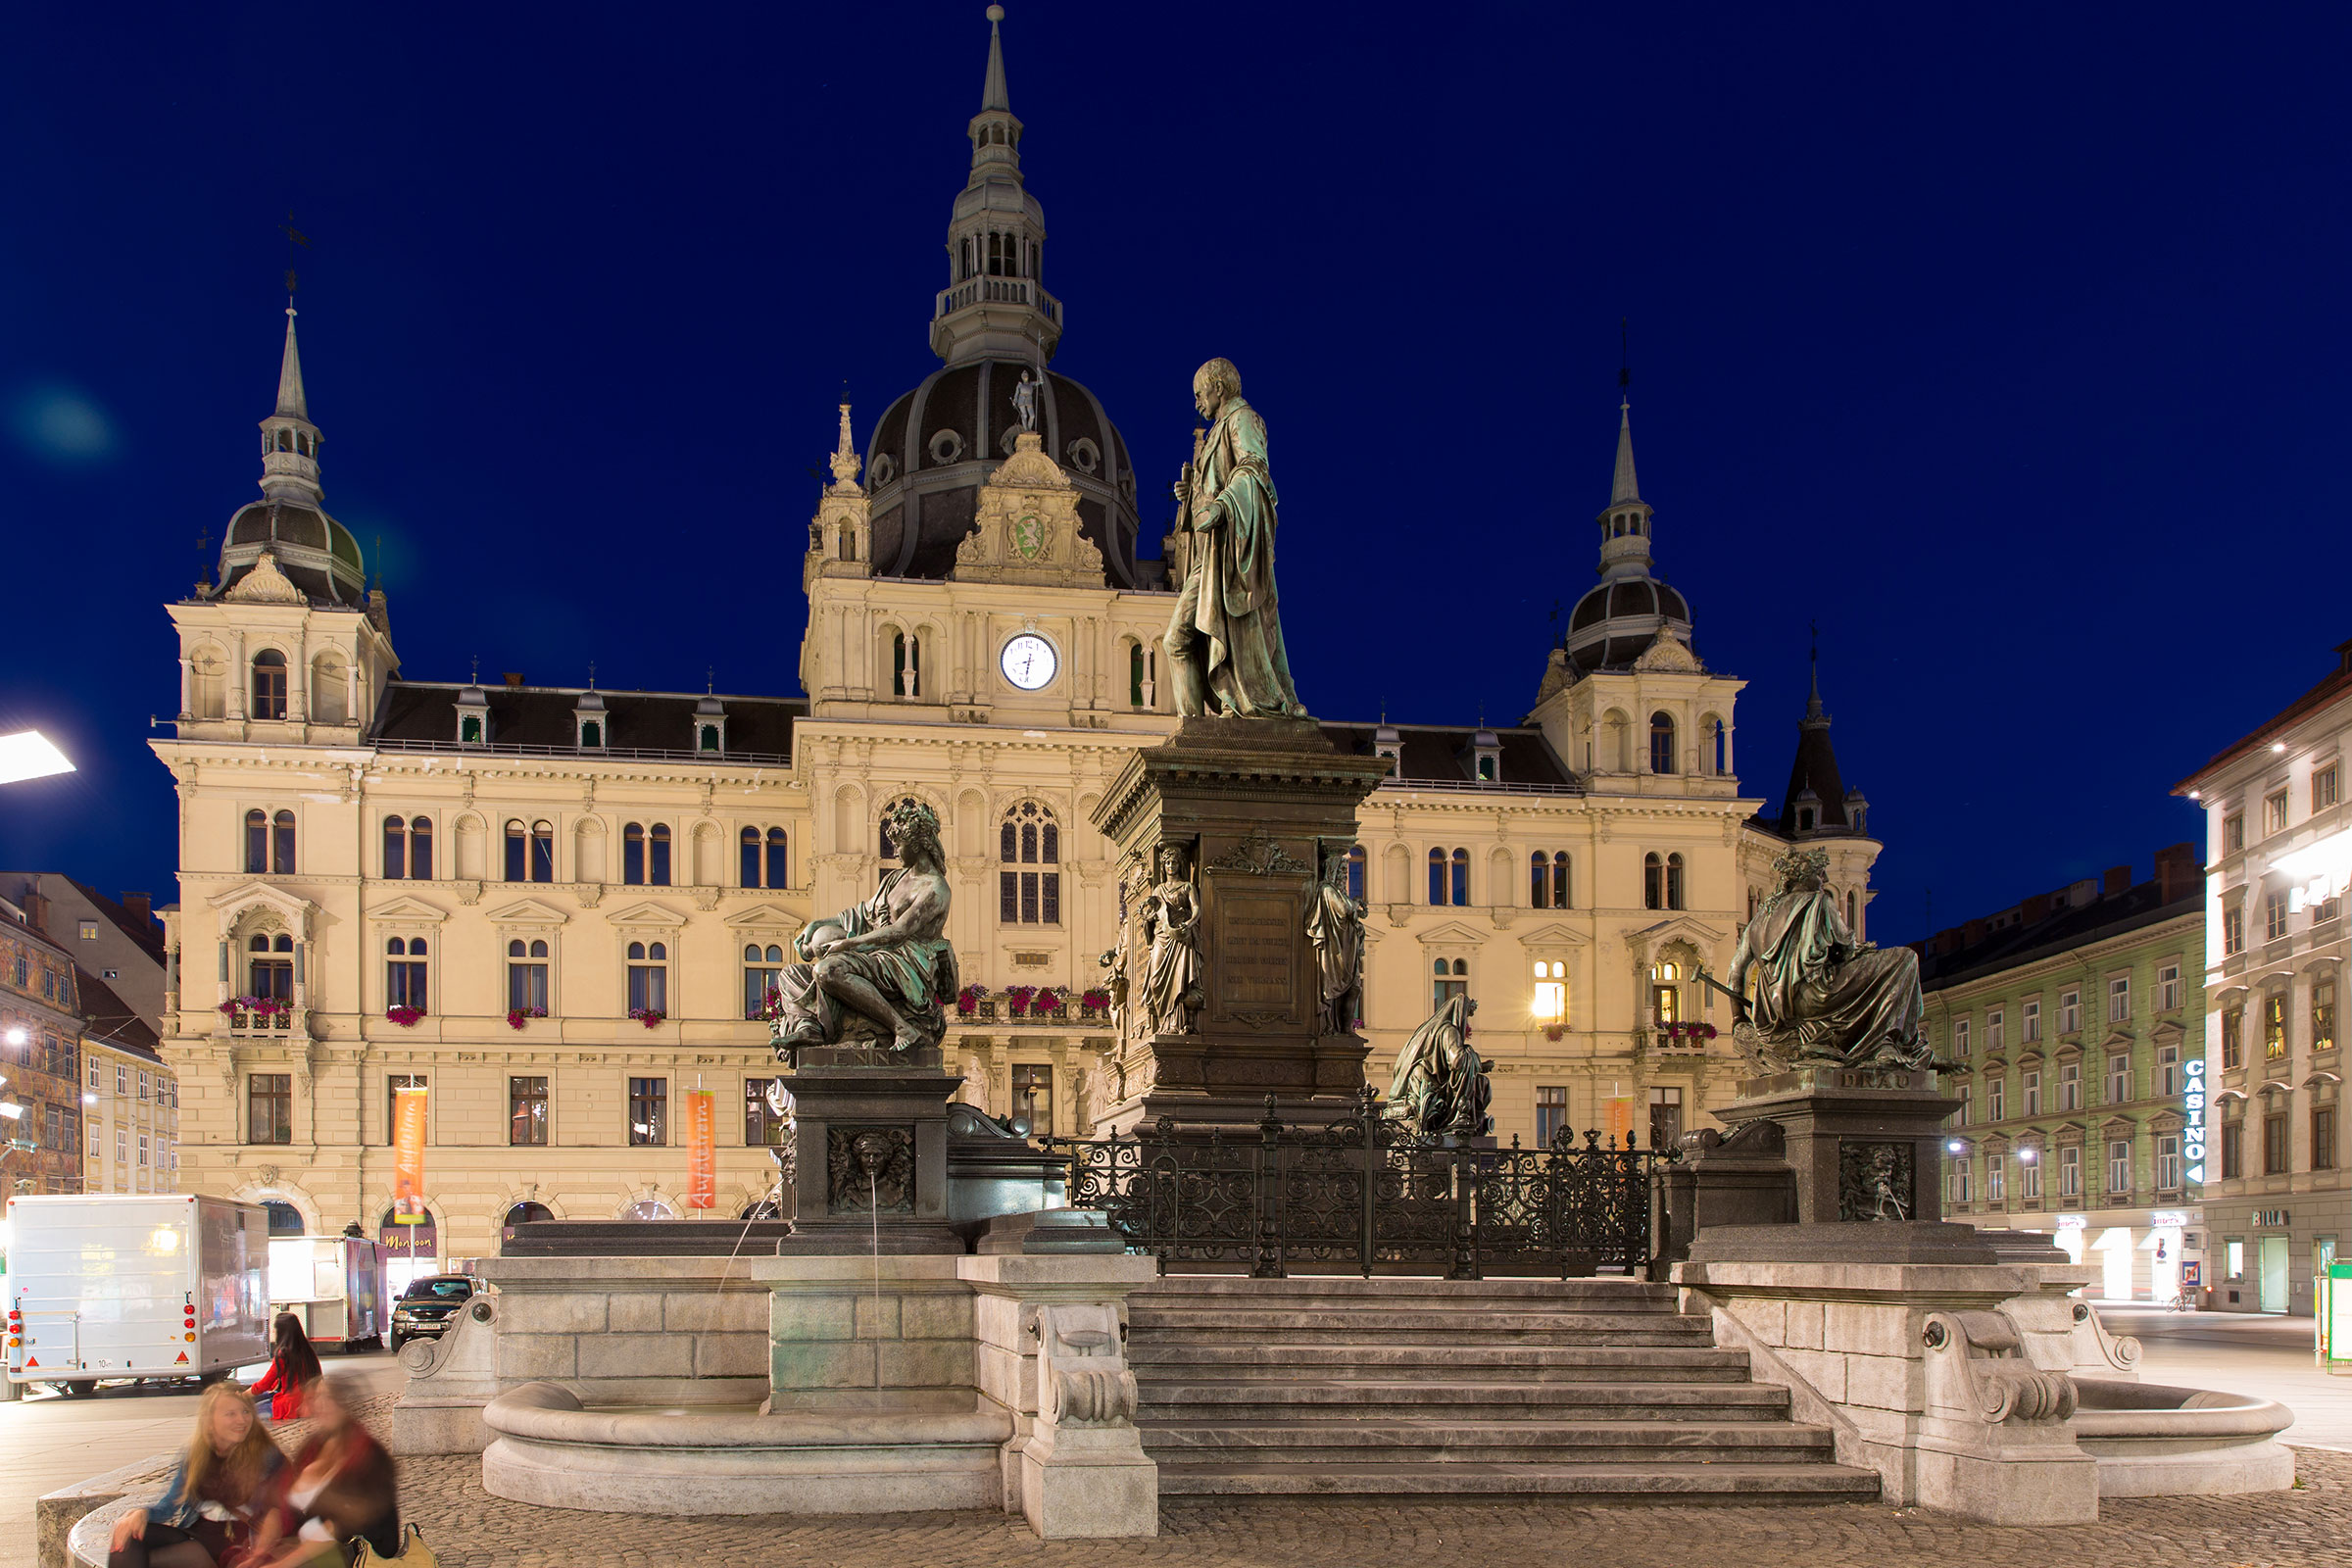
(407,1156)
(701,1149)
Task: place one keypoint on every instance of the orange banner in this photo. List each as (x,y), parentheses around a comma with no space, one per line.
(407,1156)
(1621,1118)
(701,1149)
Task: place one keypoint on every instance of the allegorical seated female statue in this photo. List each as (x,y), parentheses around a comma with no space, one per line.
(1439,1085)
(1819,993)
(880,974)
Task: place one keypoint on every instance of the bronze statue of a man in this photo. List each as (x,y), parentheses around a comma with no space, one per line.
(1335,926)
(881,972)
(1224,640)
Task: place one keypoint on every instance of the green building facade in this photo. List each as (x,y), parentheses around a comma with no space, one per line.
(2072,1019)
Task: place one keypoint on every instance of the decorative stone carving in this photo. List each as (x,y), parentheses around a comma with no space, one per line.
(1259,856)
(1876,1181)
(869,1168)
(1026,526)
(264,584)
(1669,653)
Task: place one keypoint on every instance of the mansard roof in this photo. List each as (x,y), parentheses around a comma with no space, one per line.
(426,712)
(1446,755)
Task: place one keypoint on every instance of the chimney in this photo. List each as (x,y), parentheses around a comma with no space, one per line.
(141,908)
(515,680)
(1972,933)
(2038,907)
(37,909)
(2177,873)
(2117,879)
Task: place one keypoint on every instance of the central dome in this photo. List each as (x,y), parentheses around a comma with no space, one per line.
(936,446)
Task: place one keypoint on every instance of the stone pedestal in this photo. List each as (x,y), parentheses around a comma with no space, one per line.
(1252,804)
(871,1169)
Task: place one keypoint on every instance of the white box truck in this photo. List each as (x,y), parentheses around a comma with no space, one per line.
(103,1288)
(334,1284)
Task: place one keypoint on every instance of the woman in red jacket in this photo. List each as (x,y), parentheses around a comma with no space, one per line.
(293,1367)
(340,1489)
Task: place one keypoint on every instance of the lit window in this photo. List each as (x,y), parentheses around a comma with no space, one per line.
(527,1111)
(1028,843)
(2274,1026)
(2322,1015)
(1551,1002)
(649,1111)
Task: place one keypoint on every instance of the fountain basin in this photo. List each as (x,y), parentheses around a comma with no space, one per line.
(2153,1439)
(852,1454)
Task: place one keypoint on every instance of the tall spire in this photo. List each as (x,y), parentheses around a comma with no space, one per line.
(1623,489)
(289,440)
(994,304)
(1815,718)
(290,398)
(992,92)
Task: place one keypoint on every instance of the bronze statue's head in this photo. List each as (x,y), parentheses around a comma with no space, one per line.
(1169,859)
(914,831)
(1806,869)
(1213,384)
(1334,866)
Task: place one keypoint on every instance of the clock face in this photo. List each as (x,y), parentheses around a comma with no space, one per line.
(1029,661)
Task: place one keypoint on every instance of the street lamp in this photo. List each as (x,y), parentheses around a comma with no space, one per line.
(30,755)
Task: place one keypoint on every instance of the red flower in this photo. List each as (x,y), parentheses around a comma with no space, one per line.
(406,1017)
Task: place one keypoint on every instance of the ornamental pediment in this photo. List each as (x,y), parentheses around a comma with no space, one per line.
(647,913)
(406,911)
(1025,526)
(245,896)
(1650,938)
(529,912)
(1451,934)
(767,916)
(1553,935)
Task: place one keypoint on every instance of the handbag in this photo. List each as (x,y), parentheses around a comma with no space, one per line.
(414,1553)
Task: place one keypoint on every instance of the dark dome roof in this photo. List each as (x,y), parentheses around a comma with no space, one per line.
(933,448)
(317,553)
(1617,620)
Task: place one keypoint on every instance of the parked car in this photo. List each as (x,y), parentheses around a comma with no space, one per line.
(428,1307)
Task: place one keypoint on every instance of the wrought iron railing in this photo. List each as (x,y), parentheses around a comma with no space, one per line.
(1361,1193)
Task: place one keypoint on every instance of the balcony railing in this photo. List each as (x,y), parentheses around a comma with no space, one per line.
(246,1022)
(1000,1010)
(997,291)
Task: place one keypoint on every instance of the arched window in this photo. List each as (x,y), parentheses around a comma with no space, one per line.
(269,967)
(1849,909)
(657,856)
(762,972)
(526,976)
(1547,880)
(1719,740)
(1665,993)
(1661,743)
(421,849)
(1357,871)
(1461,877)
(518,853)
(527,1213)
(779,864)
(632,853)
(1449,980)
(1028,840)
(1437,876)
(257,843)
(396,847)
(269,684)
(648,978)
(1654,882)
(1135,674)
(281,844)
(906,664)
(748,870)
(1674,882)
(284,1219)
(405,965)
(532,855)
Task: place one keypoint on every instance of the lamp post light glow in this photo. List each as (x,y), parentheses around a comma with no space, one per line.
(30,755)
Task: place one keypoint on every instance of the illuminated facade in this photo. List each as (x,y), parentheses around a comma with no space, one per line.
(2278,849)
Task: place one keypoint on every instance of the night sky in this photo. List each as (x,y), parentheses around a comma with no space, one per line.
(2010,345)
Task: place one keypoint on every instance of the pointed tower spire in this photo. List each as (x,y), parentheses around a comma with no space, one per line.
(995,303)
(290,400)
(992,92)
(1622,487)
(1625,522)
(289,440)
(1817,802)
(1814,715)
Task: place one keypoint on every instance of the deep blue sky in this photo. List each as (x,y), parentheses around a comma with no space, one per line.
(2010,344)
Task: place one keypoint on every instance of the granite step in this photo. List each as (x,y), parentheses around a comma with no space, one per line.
(1165,1400)
(1388,1288)
(1681,1485)
(1391,1442)
(1290,1329)
(1543,1363)
(1396,1322)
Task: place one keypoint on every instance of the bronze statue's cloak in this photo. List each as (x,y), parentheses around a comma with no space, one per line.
(1816,991)
(1238,615)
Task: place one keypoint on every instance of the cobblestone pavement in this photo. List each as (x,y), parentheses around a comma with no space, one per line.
(2309,1526)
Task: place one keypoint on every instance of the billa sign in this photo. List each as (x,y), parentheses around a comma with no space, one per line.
(407,1157)
(701,1149)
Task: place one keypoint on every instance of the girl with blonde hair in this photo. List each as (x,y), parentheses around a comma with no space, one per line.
(207,1511)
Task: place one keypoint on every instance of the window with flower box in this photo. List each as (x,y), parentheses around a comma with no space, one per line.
(406,963)
(648,978)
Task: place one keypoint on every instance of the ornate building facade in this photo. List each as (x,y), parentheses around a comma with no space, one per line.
(555,906)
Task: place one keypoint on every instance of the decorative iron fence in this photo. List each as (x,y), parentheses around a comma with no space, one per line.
(1364,1193)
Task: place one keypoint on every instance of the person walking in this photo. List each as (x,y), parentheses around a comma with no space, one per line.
(340,1488)
(207,1512)
(293,1367)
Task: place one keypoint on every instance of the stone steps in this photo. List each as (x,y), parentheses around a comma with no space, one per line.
(1543,1363)
(1597,1390)
(1166,1402)
(1681,1485)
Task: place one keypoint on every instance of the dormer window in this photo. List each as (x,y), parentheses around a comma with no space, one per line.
(707,736)
(592,733)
